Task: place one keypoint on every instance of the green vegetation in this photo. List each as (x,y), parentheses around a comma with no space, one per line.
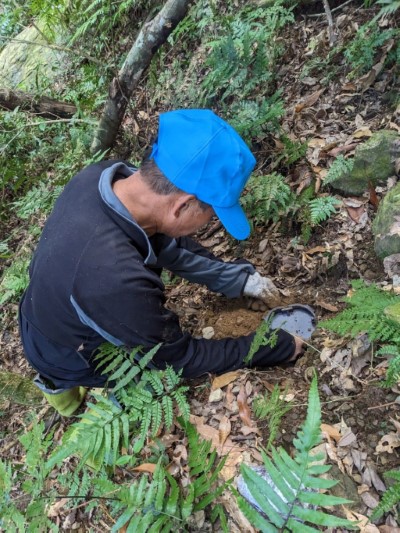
(272,407)
(390,498)
(225,56)
(290,501)
(368,311)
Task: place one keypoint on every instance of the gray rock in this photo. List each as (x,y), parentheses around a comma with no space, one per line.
(391,265)
(386,226)
(30,62)
(374,162)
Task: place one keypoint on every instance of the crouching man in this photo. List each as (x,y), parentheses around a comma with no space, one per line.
(95,275)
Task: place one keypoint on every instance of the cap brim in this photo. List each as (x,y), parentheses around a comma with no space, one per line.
(234,221)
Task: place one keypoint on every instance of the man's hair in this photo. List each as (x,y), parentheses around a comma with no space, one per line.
(158,182)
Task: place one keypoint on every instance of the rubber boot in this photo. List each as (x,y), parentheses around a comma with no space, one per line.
(67,402)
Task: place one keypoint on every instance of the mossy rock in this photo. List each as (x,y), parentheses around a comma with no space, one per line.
(18,389)
(386,226)
(393,312)
(30,65)
(374,162)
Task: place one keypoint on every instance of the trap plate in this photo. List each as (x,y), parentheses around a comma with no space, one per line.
(296,319)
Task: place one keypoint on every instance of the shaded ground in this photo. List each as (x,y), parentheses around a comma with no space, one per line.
(357,412)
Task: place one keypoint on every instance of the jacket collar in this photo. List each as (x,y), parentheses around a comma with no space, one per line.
(113,202)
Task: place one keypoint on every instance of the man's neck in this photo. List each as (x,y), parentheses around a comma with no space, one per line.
(142,203)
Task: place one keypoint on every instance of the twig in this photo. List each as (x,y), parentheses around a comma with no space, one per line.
(332,36)
(332,10)
(382,405)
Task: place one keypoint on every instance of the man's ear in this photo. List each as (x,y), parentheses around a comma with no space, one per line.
(181,204)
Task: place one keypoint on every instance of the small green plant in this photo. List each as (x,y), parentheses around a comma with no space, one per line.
(293,150)
(264,336)
(242,56)
(40,198)
(314,211)
(161,504)
(290,502)
(388,7)
(15,280)
(272,407)
(267,198)
(390,498)
(145,405)
(339,168)
(252,119)
(361,53)
(31,479)
(367,312)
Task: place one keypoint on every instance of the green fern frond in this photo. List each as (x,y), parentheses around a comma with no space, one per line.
(338,169)
(388,7)
(365,313)
(390,498)
(264,336)
(271,407)
(161,504)
(267,197)
(322,208)
(289,494)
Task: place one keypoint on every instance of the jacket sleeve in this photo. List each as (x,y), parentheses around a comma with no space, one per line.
(191,261)
(130,311)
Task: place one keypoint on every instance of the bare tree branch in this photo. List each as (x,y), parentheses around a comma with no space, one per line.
(45,107)
(150,38)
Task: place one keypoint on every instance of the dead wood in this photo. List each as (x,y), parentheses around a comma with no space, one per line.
(43,106)
(150,38)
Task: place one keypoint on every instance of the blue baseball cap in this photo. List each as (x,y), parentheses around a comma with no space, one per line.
(203,155)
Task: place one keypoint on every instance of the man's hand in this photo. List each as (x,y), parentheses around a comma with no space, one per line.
(262,288)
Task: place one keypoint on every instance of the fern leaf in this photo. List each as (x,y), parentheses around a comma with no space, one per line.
(171,505)
(145,360)
(390,498)
(129,376)
(254,517)
(168,411)
(156,417)
(286,482)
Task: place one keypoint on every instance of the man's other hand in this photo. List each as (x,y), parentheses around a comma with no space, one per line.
(262,288)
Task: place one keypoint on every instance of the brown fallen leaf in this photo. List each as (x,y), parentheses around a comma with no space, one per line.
(388,529)
(224,429)
(347,439)
(342,149)
(229,397)
(355,213)
(388,443)
(145,467)
(54,510)
(349,86)
(333,432)
(327,306)
(373,198)
(316,142)
(316,250)
(362,132)
(246,430)
(205,431)
(309,100)
(362,521)
(244,409)
(224,379)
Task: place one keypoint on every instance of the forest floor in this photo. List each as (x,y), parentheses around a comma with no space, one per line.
(361,419)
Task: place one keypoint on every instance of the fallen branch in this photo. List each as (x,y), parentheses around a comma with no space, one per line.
(150,38)
(43,106)
(331,31)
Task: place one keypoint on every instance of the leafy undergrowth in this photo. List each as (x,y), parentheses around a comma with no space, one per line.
(321,104)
